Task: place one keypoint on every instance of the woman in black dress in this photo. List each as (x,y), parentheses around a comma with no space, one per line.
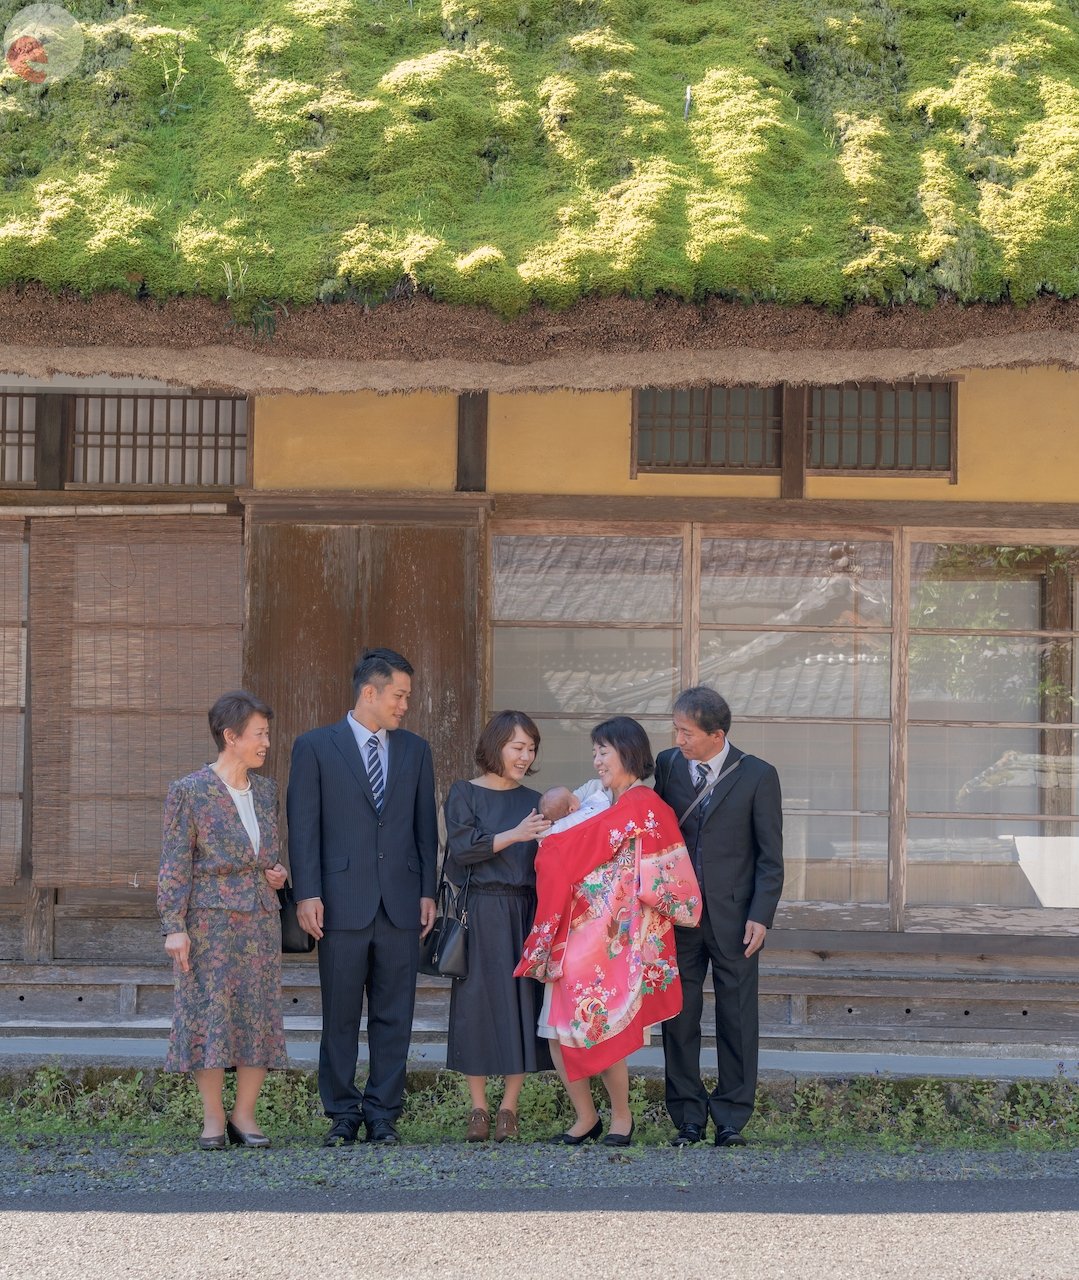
(492,824)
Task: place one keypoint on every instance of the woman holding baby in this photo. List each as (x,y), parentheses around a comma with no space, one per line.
(492,825)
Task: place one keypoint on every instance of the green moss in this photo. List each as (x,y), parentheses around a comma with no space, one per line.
(501,152)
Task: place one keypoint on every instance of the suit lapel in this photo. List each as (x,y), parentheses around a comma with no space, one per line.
(223,799)
(729,776)
(345,742)
(396,746)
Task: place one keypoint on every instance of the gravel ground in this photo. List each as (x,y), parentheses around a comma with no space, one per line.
(78,1166)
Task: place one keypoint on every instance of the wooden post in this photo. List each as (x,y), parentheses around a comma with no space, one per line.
(794,438)
(472,442)
(53,440)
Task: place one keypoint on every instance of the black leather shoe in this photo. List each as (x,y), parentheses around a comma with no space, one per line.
(575,1140)
(240,1139)
(342,1133)
(687,1135)
(620,1139)
(218,1142)
(383,1131)
(729,1138)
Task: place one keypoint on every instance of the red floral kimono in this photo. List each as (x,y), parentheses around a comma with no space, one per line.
(610,892)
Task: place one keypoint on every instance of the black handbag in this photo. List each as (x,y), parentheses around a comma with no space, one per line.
(444,952)
(294,940)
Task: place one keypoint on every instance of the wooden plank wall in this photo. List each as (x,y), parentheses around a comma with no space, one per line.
(320,593)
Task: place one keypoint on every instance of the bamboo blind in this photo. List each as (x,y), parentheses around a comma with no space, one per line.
(136,630)
(12,695)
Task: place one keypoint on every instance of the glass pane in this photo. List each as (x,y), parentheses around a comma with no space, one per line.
(834,859)
(795,673)
(587,579)
(586,671)
(822,766)
(991,678)
(826,583)
(993,770)
(971,862)
(565,755)
(996,588)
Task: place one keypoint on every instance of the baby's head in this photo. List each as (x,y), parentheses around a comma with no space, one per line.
(558,802)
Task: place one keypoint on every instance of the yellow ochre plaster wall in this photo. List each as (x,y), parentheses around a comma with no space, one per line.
(358,440)
(1018,442)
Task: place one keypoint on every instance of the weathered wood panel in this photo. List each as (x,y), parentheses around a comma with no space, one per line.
(319,594)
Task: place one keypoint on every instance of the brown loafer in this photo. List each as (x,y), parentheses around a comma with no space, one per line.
(506,1125)
(479,1126)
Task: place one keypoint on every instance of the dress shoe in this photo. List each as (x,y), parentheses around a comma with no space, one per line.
(687,1135)
(240,1139)
(575,1140)
(620,1139)
(342,1133)
(729,1138)
(479,1126)
(506,1125)
(216,1143)
(383,1131)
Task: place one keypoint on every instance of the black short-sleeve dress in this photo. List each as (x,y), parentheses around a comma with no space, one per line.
(493,1015)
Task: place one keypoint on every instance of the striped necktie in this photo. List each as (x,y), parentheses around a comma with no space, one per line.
(374,772)
(702,782)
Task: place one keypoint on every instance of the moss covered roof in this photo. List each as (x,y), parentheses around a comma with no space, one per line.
(505,152)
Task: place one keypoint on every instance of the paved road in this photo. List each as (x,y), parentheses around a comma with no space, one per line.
(1006,1229)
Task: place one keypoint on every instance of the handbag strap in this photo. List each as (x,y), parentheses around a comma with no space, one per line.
(703,795)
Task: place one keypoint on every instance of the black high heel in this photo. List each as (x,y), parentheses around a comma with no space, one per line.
(241,1139)
(575,1140)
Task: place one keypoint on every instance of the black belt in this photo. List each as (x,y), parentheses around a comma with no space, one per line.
(503,890)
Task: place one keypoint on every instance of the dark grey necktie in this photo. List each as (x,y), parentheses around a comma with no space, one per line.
(374,772)
(702,782)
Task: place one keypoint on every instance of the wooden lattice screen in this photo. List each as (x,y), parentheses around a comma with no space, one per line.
(136,630)
(12,695)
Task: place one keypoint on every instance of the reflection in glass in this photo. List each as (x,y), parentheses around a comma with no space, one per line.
(971,862)
(991,678)
(777,673)
(584,670)
(1013,588)
(834,859)
(805,583)
(822,766)
(556,579)
(992,770)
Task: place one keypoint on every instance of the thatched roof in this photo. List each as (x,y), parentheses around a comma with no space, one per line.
(522,157)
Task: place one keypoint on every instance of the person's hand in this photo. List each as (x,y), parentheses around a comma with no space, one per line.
(276,876)
(532,827)
(427,916)
(309,914)
(178,946)
(754,937)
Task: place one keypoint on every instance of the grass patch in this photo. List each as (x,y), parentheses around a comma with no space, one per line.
(864,1111)
(505,152)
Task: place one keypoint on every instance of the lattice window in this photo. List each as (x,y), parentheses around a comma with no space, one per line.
(160,440)
(137,628)
(892,427)
(17,421)
(709,429)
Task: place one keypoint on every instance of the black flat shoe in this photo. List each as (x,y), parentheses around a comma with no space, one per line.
(342,1133)
(383,1131)
(217,1143)
(687,1135)
(729,1138)
(241,1139)
(620,1139)
(575,1140)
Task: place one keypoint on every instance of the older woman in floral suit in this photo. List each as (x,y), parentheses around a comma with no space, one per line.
(219,912)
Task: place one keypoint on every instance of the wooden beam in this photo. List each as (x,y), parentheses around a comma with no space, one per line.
(794,442)
(472,442)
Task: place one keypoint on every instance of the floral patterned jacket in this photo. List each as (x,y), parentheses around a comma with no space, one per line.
(609,894)
(207,858)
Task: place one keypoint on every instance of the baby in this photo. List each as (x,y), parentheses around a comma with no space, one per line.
(563,809)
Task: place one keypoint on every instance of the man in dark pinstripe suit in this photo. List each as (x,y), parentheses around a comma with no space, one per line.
(363,842)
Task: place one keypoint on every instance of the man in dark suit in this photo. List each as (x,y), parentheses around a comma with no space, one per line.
(735,837)
(363,841)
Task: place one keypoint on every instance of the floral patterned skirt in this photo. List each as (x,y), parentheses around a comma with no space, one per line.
(227,1009)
